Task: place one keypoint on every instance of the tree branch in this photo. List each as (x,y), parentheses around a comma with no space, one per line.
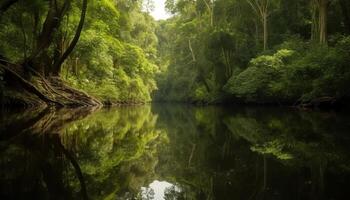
(75,40)
(52,22)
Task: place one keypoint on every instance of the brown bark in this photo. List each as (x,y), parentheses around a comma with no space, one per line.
(58,64)
(39,58)
(50,91)
(323,17)
(319,9)
(29,86)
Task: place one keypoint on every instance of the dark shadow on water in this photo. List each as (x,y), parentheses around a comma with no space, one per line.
(206,152)
(33,159)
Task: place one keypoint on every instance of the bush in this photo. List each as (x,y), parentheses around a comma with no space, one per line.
(320,71)
(256,82)
(303,73)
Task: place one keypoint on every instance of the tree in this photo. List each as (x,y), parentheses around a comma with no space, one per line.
(38,73)
(58,63)
(262,8)
(40,57)
(323,14)
(319,9)
(210,7)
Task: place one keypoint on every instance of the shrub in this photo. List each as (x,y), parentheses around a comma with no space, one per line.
(255,83)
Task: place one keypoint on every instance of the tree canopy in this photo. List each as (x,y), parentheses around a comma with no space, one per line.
(208,51)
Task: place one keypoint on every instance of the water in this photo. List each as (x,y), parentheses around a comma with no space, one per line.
(175,152)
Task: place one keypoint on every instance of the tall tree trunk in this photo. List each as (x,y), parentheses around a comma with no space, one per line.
(257,34)
(314,21)
(265,30)
(58,64)
(319,9)
(39,59)
(323,16)
(212,15)
(261,9)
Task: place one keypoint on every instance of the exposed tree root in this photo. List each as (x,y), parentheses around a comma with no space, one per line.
(29,86)
(50,123)
(72,93)
(50,90)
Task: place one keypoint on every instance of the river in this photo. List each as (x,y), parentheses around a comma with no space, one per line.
(174,151)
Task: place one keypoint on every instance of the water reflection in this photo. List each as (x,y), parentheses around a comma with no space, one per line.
(174,152)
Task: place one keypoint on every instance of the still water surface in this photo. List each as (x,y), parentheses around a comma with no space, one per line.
(175,152)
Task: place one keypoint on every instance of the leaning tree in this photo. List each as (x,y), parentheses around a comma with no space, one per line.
(37,72)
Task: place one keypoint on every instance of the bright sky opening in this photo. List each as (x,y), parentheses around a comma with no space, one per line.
(159,11)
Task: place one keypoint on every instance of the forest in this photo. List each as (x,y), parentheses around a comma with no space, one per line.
(106,52)
(216,100)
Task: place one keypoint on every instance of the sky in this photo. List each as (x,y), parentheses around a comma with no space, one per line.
(158,188)
(159,10)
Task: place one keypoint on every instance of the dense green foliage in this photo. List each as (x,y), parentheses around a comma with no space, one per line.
(122,145)
(222,153)
(305,72)
(208,51)
(205,152)
(115,57)
(114,60)
(224,51)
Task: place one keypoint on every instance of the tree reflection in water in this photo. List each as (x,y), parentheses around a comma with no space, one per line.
(197,152)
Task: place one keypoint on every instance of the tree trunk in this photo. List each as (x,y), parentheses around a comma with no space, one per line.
(323,8)
(265,30)
(256,22)
(191,50)
(314,24)
(212,15)
(36,19)
(319,9)
(40,58)
(261,9)
(58,64)
(46,89)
